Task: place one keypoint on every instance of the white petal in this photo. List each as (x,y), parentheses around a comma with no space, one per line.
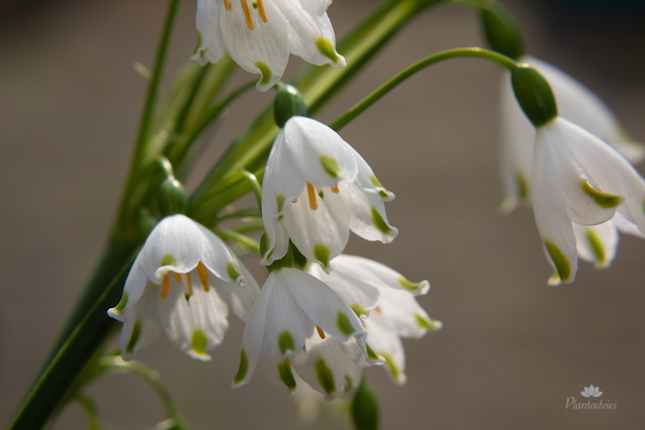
(388,345)
(140,324)
(322,305)
(196,324)
(320,234)
(377,274)
(240,297)
(218,258)
(212,47)
(400,312)
(356,293)
(254,334)
(265,47)
(315,7)
(321,156)
(134,286)
(597,244)
(323,365)
(368,219)
(626,227)
(174,244)
(550,209)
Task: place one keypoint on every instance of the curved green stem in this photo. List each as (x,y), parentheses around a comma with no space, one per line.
(91,409)
(257,189)
(368,101)
(238,237)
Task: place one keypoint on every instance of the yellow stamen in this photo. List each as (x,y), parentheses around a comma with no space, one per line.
(190,284)
(166,286)
(312,197)
(247,14)
(155,285)
(228,5)
(378,309)
(320,332)
(177,277)
(335,190)
(263,16)
(295,201)
(203,275)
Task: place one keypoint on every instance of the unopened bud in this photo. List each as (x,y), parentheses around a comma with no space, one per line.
(288,102)
(534,94)
(364,408)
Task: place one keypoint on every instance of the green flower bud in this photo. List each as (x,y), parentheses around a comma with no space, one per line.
(501,32)
(172,197)
(288,102)
(286,261)
(364,408)
(534,94)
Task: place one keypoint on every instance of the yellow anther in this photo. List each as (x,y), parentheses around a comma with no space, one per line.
(295,201)
(312,197)
(203,275)
(320,332)
(335,190)
(155,285)
(247,14)
(263,16)
(166,286)
(228,5)
(177,277)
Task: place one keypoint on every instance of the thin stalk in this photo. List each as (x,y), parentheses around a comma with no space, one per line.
(368,101)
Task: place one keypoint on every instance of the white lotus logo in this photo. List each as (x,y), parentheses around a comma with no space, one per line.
(591,391)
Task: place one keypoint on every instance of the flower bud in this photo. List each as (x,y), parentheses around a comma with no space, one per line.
(288,102)
(364,408)
(172,197)
(501,32)
(534,94)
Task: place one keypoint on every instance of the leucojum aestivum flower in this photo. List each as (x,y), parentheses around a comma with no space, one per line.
(322,318)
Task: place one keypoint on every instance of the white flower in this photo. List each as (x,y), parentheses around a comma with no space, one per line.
(184,280)
(386,302)
(578,178)
(260,34)
(316,188)
(291,306)
(575,103)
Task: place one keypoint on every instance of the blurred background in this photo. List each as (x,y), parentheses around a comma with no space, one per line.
(512,349)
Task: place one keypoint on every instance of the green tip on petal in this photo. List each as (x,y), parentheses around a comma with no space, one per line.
(285,341)
(378,221)
(286,376)
(358,309)
(603,200)
(370,353)
(232,271)
(199,342)
(266,72)
(348,384)
(423,323)
(330,165)
(134,338)
(344,325)
(325,377)
(596,245)
(279,198)
(408,285)
(168,260)
(321,252)
(122,303)
(522,186)
(326,49)
(559,260)
(244,367)
(390,364)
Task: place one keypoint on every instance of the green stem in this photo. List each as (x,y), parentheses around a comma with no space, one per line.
(257,189)
(91,409)
(238,237)
(146,119)
(416,67)
(59,377)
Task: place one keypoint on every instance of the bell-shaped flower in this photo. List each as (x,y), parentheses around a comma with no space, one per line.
(316,189)
(576,103)
(293,306)
(385,299)
(578,178)
(183,281)
(260,34)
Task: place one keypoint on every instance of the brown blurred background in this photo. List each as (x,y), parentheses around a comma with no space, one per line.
(512,349)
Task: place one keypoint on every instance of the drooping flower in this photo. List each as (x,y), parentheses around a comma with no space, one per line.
(578,178)
(576,103)
(385,299)
(292,306)
(316,189)
(184,280)
(260,34)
